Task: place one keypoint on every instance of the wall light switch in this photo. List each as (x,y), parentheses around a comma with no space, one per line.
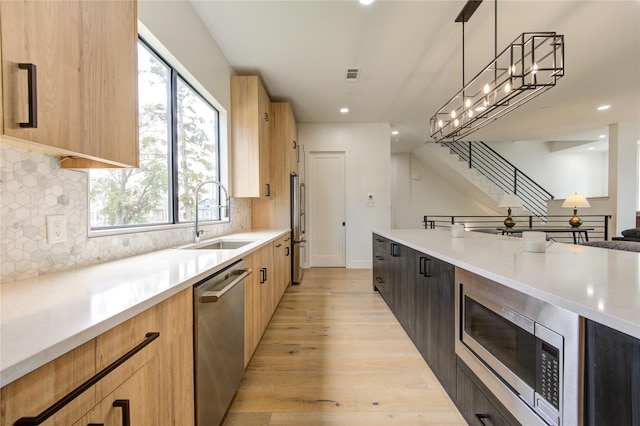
(56,228)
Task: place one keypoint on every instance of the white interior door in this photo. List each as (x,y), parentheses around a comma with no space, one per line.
(326,192)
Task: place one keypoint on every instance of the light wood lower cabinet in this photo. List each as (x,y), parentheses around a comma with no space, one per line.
(282,266)
(157,381)
(263,290)
(257,298)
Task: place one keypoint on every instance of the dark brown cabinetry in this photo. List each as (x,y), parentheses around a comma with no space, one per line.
(612,376)
(381,265)
(476,403)
(419,290)
(433,313)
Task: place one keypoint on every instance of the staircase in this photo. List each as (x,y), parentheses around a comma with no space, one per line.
(491,173)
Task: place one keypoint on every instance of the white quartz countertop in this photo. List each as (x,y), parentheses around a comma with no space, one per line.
(44,317)
(599,284)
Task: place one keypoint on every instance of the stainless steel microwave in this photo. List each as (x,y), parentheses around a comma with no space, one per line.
(525,351)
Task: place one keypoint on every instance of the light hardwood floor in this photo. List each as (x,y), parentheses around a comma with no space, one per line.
(334,354)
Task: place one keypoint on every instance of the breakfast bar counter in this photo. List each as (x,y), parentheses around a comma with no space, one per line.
(595,283)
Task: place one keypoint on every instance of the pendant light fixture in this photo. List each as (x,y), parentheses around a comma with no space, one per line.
(526,68)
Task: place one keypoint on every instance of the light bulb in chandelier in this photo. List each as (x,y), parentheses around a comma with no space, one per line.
(440,124)
(507,87)
(453,114)
(456,122)
(534,68)
(467,103)
(487,89)
(470,113)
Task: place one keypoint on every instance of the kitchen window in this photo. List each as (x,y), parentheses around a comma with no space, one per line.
(179,149)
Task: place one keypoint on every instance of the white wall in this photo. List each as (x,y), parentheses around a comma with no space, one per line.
(417,190)
(176,25)
(623,176)
(368,170)
(560,172)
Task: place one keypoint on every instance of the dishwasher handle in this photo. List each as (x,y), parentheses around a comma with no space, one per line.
(213,296)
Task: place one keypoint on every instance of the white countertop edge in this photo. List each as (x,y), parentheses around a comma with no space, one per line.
(608,318)
(18,366)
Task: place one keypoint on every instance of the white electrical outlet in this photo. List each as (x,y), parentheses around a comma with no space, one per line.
(56,228)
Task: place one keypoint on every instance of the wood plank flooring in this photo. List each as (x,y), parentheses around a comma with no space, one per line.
(334,354)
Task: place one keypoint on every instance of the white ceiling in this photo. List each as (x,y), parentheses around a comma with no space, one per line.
(410,54)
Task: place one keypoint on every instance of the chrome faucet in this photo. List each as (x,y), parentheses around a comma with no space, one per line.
(225,208)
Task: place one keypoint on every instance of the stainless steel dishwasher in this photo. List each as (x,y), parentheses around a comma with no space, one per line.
(218,308)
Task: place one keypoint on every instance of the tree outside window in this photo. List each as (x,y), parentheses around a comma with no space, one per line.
(180,157)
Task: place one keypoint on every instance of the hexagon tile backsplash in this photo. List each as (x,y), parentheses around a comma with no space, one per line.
(33,186)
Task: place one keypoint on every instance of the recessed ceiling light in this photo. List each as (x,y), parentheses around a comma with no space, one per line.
(395,132)
(366,2)
(604,107)
(602,136)
(344,110)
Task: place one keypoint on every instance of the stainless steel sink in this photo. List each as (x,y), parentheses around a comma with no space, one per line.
(218,244)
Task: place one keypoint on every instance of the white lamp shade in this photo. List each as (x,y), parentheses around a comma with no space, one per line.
(576,200)
(510,200)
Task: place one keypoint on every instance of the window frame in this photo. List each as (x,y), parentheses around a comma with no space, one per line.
(177,72)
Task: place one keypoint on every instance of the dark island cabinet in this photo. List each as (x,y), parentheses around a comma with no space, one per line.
(419,290)
(476,403)
(612,377)
(381,248)
(434,296)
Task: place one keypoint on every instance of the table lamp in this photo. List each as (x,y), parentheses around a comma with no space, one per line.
(509,201)
(574,201)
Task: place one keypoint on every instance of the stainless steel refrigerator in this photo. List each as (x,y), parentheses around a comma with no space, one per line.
(297,227)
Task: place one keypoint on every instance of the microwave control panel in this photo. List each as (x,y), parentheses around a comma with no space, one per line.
(548,383)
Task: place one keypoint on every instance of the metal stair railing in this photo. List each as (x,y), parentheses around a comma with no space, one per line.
(491,224)
(503,174)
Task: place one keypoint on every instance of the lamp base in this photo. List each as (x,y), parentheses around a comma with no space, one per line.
(509,222)
(575,221)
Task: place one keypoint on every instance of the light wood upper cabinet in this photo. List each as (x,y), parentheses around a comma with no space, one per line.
(250,116)
(85,54)
(284,151)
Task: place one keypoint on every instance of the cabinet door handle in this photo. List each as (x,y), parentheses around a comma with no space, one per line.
(287,251)
(40,418)
(263,275)
(380,280)
(295,145)
(427,267)
(266,274)
(266,116)
(32,87)
(379,258)
(126,414)
(278,245)
(484,419)
(422,259)
(268,190)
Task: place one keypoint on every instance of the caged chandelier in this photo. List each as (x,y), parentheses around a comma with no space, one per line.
(526,68)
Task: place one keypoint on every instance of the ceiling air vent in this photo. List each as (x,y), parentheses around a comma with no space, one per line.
(353,74)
